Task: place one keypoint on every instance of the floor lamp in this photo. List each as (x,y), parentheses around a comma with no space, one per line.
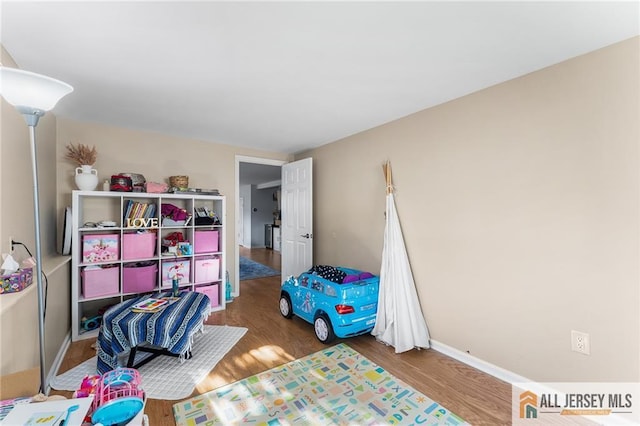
(33,95)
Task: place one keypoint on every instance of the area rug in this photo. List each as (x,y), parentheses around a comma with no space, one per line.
(166,377)
(334,386)
(250,270)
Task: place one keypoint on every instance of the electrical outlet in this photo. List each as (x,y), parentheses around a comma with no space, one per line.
(10,248)
(580,342)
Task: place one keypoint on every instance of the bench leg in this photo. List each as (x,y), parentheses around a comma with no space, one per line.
(155,352)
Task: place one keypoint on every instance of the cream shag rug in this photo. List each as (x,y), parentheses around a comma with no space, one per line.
(165,377)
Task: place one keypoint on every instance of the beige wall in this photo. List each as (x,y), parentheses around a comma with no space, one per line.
(156,156)
(18,312)
(519,207)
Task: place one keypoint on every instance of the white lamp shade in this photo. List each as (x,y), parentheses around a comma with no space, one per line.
(26,89)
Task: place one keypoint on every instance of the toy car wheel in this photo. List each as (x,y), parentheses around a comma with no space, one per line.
(323,329)
(285,306)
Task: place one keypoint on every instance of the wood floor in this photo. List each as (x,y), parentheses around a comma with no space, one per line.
(273,340)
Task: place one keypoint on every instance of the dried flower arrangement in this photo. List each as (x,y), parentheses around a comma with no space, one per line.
(82,154)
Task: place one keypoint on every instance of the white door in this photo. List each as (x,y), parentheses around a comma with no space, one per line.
(241,222)
(297,217)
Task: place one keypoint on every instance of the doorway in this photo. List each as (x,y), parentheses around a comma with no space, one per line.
(267,263)
(257,180)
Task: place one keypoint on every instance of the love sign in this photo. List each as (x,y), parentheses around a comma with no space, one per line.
(151,222)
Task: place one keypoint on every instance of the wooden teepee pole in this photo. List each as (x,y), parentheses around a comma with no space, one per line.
(386,170)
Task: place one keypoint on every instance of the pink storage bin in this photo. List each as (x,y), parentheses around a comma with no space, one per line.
(100,281)
(207,269)
(138,246)
(139,279)
(212,292)
(205,241)
(155,187)
(99,248)
(170,268)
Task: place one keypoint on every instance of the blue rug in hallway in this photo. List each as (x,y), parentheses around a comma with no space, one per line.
(250,270)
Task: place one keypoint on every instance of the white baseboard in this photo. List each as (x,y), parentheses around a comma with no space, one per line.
(508,376)
(479,364)
(58,361)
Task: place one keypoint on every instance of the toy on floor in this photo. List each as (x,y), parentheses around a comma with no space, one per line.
(92,323)
(339,302)
(88,386)
(118,398)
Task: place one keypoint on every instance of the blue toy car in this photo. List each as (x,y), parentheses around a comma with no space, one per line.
(342,302)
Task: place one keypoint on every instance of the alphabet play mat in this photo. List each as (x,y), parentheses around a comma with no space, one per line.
(334,386)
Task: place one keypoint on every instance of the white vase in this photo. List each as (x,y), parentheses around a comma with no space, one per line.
(86,178)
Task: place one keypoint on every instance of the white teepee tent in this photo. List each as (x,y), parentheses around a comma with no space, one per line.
(400,322)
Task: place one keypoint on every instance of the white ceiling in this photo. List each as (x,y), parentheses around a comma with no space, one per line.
(287,76)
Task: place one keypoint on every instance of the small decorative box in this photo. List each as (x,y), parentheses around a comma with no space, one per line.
(17,281)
